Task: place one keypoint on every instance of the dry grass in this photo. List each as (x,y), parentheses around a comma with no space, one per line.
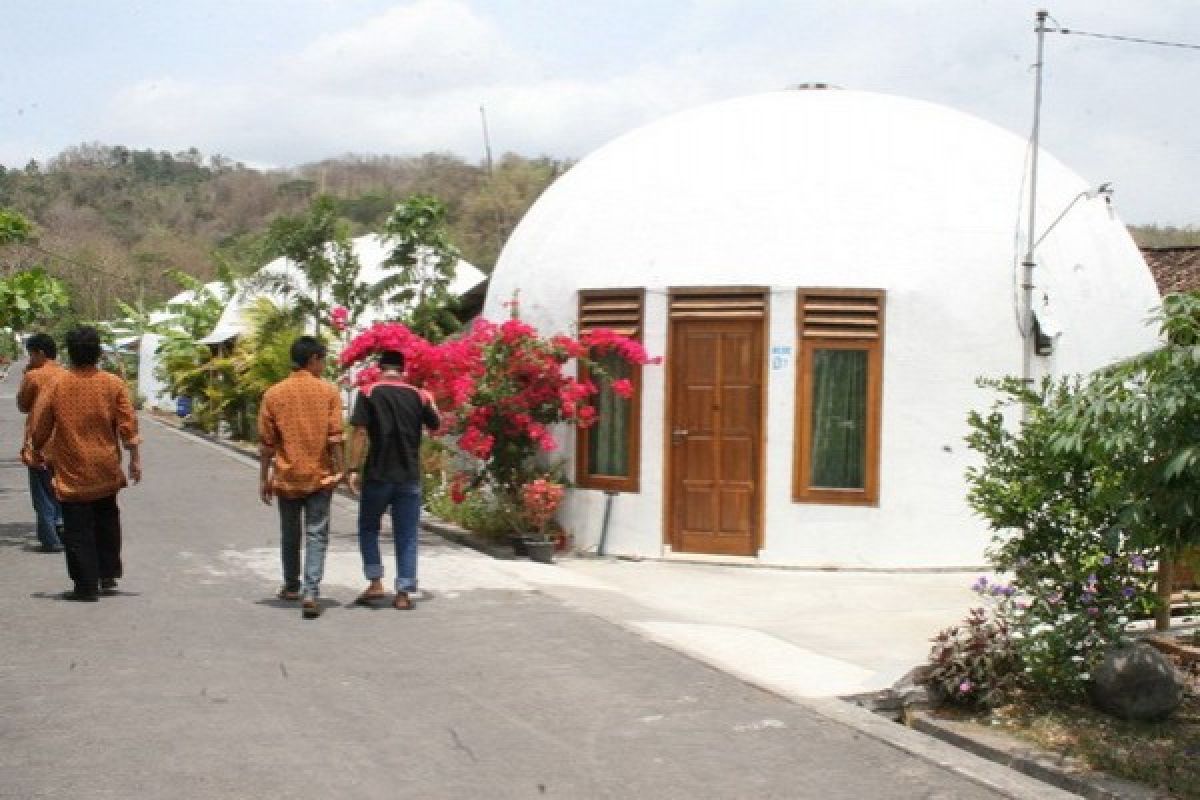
(1164,755)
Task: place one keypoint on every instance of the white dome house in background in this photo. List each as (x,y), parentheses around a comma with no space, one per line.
(827,272)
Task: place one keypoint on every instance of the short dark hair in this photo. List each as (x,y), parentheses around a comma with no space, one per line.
(83,346)
(42,343)
(391,358)
(303,350)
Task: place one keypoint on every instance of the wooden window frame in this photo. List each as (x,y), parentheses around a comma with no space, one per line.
(868,339)
(584,478)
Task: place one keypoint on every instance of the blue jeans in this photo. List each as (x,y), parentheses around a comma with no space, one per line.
(404,499)
(49,515)
(310,514)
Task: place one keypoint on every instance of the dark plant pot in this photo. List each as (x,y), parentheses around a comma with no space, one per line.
(540,551)
(518,543)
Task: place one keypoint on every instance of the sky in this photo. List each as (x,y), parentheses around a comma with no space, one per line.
(278,83)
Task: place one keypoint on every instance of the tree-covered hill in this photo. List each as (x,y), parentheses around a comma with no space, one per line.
(113,222)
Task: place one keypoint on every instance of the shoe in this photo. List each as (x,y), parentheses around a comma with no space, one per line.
(108,586)
(310,608)
(77,596)
(50,548)
(402,602)
(368,598)
(290,595)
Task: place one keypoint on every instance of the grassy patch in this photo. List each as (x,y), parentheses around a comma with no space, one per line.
(1164,755)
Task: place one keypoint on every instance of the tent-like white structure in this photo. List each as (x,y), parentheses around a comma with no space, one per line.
(152,390)
(827,272)
(372,250)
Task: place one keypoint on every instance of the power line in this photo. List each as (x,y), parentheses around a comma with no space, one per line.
(1118,38)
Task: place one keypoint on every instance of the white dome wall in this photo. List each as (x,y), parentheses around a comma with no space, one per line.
(834,189)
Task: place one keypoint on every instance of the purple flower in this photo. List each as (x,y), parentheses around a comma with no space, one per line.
(965,687)
(980,585)
(1106,560)
(1129,592)
(1093,611)
(1139,562)
(1087,597)
(1054,598)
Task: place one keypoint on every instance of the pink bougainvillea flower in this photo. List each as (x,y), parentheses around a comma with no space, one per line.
(501,387)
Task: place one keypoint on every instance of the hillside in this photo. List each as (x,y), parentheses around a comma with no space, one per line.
(113,222)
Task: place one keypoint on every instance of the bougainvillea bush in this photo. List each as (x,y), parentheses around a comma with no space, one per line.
(501,388)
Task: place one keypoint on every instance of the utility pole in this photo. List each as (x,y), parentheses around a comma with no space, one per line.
(1027,318)
(487,142)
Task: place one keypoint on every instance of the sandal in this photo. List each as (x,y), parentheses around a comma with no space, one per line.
(402,602)
(368,598)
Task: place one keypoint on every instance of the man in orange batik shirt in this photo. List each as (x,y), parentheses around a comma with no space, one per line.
(78,431)
(40,374)
(300,454)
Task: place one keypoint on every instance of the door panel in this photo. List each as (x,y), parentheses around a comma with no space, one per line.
(716,435)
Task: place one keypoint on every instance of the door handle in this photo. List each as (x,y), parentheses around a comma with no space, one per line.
(678,435)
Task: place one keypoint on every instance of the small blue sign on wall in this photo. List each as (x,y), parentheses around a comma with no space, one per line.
(781,356)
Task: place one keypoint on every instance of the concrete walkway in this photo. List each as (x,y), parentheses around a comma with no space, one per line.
(194,682)
(800,633)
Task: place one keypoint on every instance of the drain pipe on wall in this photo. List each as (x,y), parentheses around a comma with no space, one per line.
(609,494)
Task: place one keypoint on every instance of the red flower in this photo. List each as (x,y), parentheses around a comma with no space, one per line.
(502,387)
(339,318)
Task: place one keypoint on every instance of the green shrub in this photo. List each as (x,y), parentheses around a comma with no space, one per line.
(1076,578)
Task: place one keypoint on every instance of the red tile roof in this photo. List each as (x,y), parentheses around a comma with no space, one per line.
(1175,269)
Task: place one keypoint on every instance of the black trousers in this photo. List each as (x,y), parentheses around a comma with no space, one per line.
(92,541)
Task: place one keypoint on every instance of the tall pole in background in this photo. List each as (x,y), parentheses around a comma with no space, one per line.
(1027,265)
(487,141)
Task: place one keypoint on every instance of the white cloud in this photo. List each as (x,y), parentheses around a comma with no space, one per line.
(422,48)
(412,78)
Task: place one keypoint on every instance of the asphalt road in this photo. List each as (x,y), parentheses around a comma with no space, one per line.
(194,682)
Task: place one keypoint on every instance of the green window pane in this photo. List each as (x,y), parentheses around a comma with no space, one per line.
(839,419)
(608,439)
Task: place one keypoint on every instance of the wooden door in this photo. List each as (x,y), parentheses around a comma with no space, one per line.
(714,434)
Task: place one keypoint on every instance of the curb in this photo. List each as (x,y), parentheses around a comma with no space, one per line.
(1062,771)
(461,536)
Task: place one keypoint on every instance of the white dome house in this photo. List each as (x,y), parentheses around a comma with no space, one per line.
(826,272)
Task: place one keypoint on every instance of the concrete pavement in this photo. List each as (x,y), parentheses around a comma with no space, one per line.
(194,682)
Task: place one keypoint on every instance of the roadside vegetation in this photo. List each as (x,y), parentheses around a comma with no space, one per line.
(1091,485)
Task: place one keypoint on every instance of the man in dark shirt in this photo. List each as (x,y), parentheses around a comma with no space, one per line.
(388,417)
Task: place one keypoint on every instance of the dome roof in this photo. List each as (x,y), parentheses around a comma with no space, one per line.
(814,187)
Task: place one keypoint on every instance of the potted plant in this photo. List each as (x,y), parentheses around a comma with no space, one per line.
(540,500)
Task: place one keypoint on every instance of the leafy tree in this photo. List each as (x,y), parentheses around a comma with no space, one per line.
(199,315)
(1141,416)
(14,228)
(423,262)
(318,244)
(31,298)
